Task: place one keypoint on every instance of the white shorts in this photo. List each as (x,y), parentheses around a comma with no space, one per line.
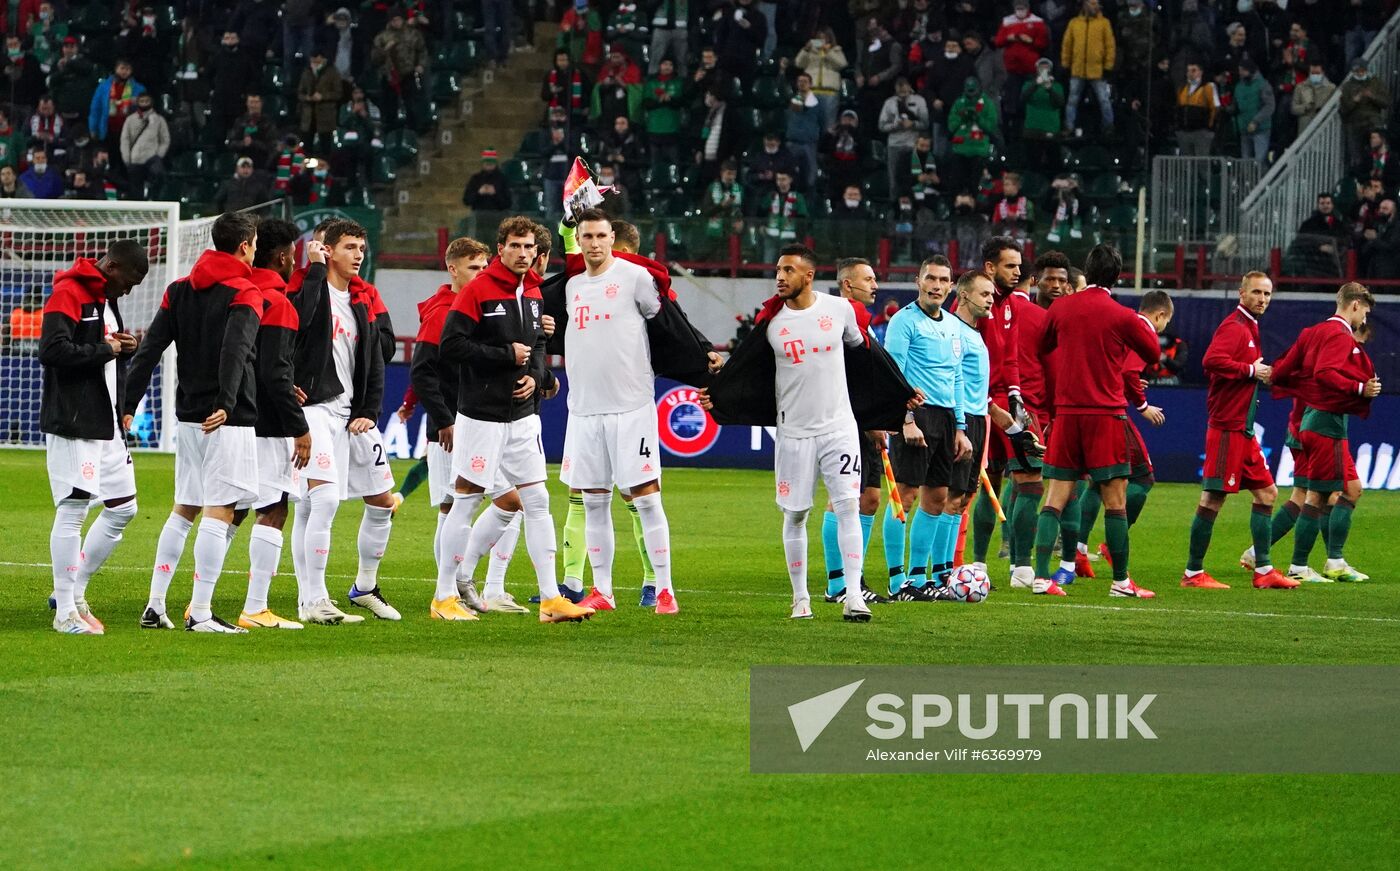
(370,474)
(498,456)
(441,481)
(274,471)
(100,467)
(330,452)
(601,450)
(218,468)
(797,462)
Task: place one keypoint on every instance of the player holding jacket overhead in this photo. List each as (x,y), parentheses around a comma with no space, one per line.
(212,318)
(1235,365)
(494,333)
(284,440)
(80,343)
(340,366)
(808,368)
(1086,337)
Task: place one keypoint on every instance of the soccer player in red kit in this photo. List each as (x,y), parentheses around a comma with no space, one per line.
(1001,262)
(1329,371)
(1235,367)
(1089,335)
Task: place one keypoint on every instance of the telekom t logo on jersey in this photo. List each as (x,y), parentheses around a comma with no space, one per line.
(795,350)
(581,317)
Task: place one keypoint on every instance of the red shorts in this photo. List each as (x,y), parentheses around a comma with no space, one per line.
(1326,462)
(1092,444)
(1000,451)
(998,447)
(1139,463)
(1233,463)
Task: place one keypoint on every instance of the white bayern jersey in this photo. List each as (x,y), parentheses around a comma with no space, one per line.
(606,353)
(811,366)
(109,369)
(343,338)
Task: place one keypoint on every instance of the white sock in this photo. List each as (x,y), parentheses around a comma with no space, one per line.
(321,504)
(264,552)
(437,533)
(501,554)
(851,539)
(1191,573)
(232,533)
(102,538)
(795,551)
(485,533)
(1067,565)
(374,538)
(169,547)
(452,543)
(210,548)
(66,551)
(1083,547)
(1263,570)
(298,519)
(656,534)
(599,538)
(539,538)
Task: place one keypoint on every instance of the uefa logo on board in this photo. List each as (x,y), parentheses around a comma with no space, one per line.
(686,429)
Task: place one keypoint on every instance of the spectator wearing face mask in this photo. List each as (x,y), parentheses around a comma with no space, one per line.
(880,61)
(24,79)
(823,59)
(903,117)
(616,201)
(145,142)
(1365,100)
(845,153)
(1310,94)
(943,83)
(972,124)
(319,94)
(765,166)
(43,183)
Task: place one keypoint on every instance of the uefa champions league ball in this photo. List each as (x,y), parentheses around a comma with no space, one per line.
(969,584)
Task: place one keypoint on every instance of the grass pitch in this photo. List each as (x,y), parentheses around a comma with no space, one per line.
(623,742)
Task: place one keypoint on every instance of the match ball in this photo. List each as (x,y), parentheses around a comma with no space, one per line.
(968,584)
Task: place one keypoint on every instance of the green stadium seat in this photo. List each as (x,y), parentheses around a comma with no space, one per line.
(1090,158)
(519,174)
(94,19)
(532,144)
(1034,185)
(359,196)
(272,79)
(1103,188)
(402,146)
(446,86)
(771,92)
(847,93)
(466,56)
(662,177)
(1120,218)
(877,186)
(383,171)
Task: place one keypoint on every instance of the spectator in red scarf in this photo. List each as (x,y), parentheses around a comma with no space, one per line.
(566,87)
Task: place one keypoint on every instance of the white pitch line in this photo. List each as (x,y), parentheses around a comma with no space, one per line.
(999,600)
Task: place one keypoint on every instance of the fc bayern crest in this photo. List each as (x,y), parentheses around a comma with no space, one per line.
(686,429)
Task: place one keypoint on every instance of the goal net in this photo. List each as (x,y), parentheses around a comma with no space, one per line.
(39,238)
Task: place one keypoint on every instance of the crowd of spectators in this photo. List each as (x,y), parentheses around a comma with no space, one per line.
(224,104)
(1030,116)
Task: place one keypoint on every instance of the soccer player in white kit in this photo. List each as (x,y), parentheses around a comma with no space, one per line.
(817,433)
(81,340)
(612,434)
(212,318)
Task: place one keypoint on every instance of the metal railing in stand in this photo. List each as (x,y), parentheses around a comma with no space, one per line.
(1271,214)
(1192,202)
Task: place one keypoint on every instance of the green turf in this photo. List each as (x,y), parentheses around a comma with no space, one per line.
(623,742)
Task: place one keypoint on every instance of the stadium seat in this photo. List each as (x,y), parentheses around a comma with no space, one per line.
(877,186)
(519,174)
(532,144)
(446,86)
(383,171)
(1090,158)
(224,163)
(272,80)
(94,19)
(1120,218)
(275,106)
(462,25)
(1103,188)
(359,196)
(771,92)
(1344,194)
(847,93)
(1034,185)
(402,146)
(665,177)
(190,164)
(691,178)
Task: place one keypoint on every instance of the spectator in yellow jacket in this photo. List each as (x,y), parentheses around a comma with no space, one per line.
(1088,53)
